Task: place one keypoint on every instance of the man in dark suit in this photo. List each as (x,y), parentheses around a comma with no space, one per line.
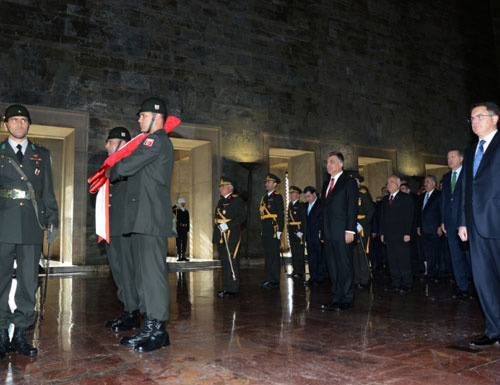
(296,228)
(459,251)
(182,226)
(339,211)
(429,225)
(479,213)
(396,219)
(317,269)
(148,220)
(27,207)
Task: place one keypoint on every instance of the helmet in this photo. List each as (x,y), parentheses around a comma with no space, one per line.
(153,105)
(16,110)
(119,133)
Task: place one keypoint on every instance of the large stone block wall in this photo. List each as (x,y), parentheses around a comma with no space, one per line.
(389,74)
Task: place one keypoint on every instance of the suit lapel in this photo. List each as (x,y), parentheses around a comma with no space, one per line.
(492,148)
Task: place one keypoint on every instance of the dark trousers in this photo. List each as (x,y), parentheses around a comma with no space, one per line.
(151,275)
(460,260)
(431,249)
(338,257)
(485,262)
(228,283)
(298,257)
(399,258)
(317,268)
(272,257)
(377,253)
(28,257)
(360,262)
(120,259)
(181,242)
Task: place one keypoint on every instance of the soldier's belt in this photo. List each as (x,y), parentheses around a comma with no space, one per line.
(295,223)
(269,216)
(217,220)
(361,216)
(182,224)
(15,193)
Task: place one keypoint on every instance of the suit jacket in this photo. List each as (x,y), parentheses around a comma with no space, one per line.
(450,201)
(429,219)
(313,226)
(340,209)
(149,168)
(396,219)
(18,223)
(480,196)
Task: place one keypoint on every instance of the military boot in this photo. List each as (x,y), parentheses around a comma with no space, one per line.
(129,320)
(19,344)
(143,335)
(157,339)
(4,343)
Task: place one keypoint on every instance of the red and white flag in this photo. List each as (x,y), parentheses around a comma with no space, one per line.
(102,212)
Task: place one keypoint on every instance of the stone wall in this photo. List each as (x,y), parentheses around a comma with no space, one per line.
(386,74)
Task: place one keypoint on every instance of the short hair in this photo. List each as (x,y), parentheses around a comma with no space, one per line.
(460,152)
(433,178)
(398,180)
(490,106)
(310,189)
(338,154)
(405,185)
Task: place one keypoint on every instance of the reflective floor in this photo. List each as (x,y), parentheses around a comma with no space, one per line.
(260,337)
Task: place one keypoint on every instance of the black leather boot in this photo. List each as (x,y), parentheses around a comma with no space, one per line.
(19,344)
(143,335)
(157,339)
(129,320)
(4,343)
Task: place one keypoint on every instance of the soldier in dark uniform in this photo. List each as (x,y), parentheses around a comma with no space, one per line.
(27,207)
(296,231)
(229,215)
(272,218)
(182,226)
(148,221)
(119,249)
(366,210)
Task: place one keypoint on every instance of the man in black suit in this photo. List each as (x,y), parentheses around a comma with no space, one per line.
(396,219)
(429,225)
(296,228)
(317,270)
(339,211)
(478,215)
(459,251)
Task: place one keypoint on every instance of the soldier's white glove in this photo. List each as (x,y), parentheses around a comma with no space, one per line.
(223,226)
(300,234)
(278,234)
(359,227)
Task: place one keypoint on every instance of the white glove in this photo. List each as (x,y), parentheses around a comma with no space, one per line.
(359,227)
(299,234)
(278,234)
(223,226)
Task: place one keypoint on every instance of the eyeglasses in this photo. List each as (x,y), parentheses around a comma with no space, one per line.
(478,117)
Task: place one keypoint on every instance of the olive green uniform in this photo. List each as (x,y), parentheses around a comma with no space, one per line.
(366,210)
(297,224)
(272,220)
(21,233)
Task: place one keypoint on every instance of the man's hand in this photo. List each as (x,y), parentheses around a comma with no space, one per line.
(382,238)
(443,229)
(349,237)
(462,233)
(51,234)
(439,231)
(223,226)
(406,238)
(419,233)
(374,235)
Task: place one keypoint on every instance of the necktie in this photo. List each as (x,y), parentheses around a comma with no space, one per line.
(19,153)
(453,181)
(332,181)
(425,200)
(390,199)
(478,157)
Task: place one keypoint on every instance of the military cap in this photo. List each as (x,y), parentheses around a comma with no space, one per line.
(119,133)
(224,181)
(181,200)
(16,110)
(156,105)
(295,189)
(355,175)
(273,177)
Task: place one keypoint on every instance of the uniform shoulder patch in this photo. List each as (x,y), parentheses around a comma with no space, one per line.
(148,142)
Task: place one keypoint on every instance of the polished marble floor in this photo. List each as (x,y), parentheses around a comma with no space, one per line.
(260,337)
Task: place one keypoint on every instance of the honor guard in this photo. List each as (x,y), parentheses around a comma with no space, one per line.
(366,210)
(229,216)
(272,219)
(182,226)
(119,249)
(27,208)
(296,231)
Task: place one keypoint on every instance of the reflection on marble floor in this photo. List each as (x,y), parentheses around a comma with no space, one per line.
(260,337)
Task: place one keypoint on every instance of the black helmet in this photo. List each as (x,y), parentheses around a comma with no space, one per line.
(16,110)
(119,133)
(153,105)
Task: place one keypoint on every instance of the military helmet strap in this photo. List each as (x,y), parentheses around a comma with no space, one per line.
(152,121)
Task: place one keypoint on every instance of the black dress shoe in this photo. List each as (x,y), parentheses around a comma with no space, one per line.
(330,306)
(140,337)
(130,320)
(157,338)
(360,286)
(19,344)
(345,306)
(265,283)
(485,341)
(290,275)
(220,294)
(4,343)
(392,289)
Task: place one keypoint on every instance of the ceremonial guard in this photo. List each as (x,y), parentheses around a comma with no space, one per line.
(119,249)
(27,208)
(366,210)
(272,219)
(296,230)
(182,226)
(229,216)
